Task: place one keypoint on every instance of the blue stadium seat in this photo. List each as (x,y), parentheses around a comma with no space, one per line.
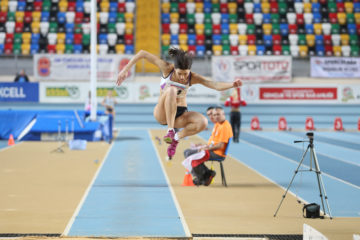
(77,48)
(266,18)
(216,39)
(45,16)
(191,39)
(309,28)
(35,38)
(113,7)
(174,39)
(356,7)
(34,48)
(61,18)
(317,18)
(319,39)
(224,18)
(21,6)
(112,17)
(129,49)
(79,6)
(351,28)
(207,7)
(260,50)
(103,38)
(257,8)
(69,27)
(165,18)
(200,50)
(225,28)
(268,40)
(1,48)
(315,7)
(284,29)
(320,50)
(69,38)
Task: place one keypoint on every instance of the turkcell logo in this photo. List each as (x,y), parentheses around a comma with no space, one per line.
(19,92)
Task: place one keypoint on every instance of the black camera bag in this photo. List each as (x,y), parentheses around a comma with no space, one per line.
(311,210)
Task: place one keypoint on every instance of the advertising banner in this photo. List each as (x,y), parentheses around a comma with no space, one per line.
(252,69)
(56,92)
(349,94)
(76,67)
(297,93)
(19,92)
(335,67)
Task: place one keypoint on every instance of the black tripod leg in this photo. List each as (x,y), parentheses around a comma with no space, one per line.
(296,171)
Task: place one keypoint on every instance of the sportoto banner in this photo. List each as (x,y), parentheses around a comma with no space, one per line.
(74,67)
(252,69)
(335,67)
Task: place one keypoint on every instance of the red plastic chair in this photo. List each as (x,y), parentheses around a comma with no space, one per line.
(121,7)
(340,7)
(38,6)
(249,18)
(78,38)
(51,48)
(28,17)
(300,18)
(200,39)
(78,17)
(277,49)
(224,8)
(8,48)
(333,18)
(274,7)
(129,39)
(216,29)
(276,39)
(165,28)
(183,28)
(19,27)
(182,8)
(293,28)
(192,50)
(327,40)
(329,50)
(9,38)
(251,39)
(234,50)
(71,6)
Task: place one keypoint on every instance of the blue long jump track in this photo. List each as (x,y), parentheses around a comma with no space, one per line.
(129,195)
(275,156)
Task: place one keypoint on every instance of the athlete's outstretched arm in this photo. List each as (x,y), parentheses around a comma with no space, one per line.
(164,66)
(220,86)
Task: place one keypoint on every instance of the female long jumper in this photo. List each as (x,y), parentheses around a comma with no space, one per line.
(171,109)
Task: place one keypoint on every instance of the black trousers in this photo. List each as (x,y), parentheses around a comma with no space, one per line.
(235,121)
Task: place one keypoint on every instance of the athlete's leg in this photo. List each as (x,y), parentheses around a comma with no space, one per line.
(165,109)
(191,122)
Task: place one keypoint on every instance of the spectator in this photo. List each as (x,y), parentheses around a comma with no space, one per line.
(215,149)
(235,101)
(21,77)
(109,103)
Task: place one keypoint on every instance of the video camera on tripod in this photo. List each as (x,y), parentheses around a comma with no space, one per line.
(313,157)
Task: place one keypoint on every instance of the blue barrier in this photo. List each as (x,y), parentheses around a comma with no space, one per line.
(47,121)
(19,92)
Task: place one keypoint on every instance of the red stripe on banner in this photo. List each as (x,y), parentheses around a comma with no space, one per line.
(298,93)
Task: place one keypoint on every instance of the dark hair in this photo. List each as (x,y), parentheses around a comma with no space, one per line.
(182,59)
(219,108)
(210,108)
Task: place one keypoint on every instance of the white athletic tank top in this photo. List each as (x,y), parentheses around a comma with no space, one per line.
(182,88)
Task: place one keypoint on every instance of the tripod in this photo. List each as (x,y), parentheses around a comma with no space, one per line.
(313,157)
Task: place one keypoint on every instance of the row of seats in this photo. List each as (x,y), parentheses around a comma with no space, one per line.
(242,29)
(267,40)
(329,28)
(263,7)
(244,50)
(66,6)
(26,48)
(27,27)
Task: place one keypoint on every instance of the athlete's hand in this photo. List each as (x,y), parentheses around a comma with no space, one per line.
(123,74)
(237,83)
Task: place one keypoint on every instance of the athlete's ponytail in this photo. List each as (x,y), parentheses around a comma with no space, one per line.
(182,59)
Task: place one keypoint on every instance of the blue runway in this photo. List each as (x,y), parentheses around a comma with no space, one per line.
(130,196)
(275,156)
